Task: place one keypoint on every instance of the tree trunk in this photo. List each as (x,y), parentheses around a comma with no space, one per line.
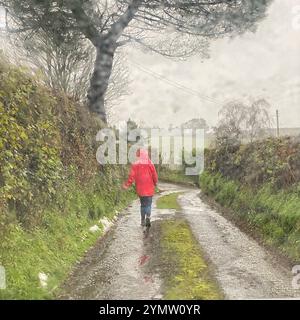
(100,79)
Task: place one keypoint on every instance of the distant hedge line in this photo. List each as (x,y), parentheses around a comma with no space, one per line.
(275,161)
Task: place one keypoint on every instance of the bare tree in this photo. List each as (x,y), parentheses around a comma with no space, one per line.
(238,120)
(258,119)
(109,24)
(118,86)
(67,65)
(232,121)
(196,123)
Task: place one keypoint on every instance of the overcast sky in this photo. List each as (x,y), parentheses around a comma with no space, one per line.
(265,64)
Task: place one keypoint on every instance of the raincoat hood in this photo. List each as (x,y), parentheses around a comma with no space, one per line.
(143,156)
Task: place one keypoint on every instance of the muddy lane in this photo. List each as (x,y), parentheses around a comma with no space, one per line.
(115,267)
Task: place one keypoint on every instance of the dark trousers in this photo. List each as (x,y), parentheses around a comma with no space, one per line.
(146,204)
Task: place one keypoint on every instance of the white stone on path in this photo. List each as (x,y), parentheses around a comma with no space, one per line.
(43,279)
(94,228)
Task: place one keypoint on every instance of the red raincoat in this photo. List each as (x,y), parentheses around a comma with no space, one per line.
(144,174)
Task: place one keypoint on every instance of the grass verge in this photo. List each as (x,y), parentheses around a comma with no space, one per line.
(186,272)
(57,243)
(275,216)
(177,176)
(169,201)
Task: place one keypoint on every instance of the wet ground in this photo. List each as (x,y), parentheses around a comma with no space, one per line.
(118,265)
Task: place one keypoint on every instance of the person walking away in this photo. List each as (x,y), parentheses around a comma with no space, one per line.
(144,175)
